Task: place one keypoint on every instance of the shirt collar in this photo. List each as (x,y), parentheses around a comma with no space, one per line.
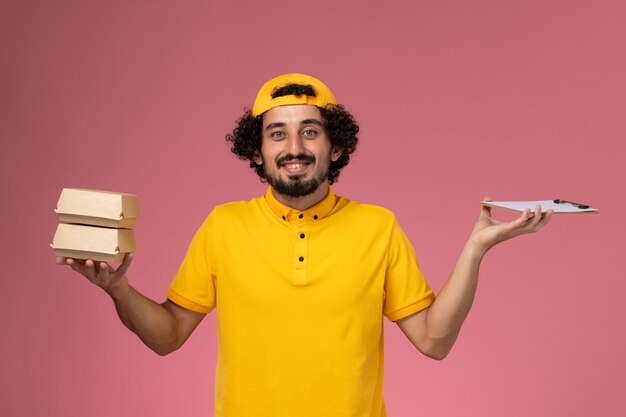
(317,212)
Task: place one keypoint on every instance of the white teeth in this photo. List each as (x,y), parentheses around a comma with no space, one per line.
(294,166)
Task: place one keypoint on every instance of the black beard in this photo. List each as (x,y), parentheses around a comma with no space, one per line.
(295,187)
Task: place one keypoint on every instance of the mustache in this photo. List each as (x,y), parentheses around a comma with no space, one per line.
(299,157)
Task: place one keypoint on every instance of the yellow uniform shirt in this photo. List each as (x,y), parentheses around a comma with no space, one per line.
(300,298)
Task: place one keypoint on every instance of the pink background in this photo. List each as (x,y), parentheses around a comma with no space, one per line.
(457,100)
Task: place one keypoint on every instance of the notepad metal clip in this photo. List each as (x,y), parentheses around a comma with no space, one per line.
(571,203)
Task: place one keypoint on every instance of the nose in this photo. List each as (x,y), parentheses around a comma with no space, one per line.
(295,144)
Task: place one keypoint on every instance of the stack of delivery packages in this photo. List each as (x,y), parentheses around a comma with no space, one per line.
(95,225)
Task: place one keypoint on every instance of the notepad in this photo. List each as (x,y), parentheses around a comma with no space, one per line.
(558,206)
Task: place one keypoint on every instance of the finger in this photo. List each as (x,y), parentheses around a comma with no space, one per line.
(71,261)
(60,260)
(90,270)
(545,219)
(523,224)
(76,266)
(103,273)
(539,220)
(522,219)
(536,218)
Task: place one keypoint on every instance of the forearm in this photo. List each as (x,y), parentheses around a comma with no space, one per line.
(434,330)
(453,303)
(150,321)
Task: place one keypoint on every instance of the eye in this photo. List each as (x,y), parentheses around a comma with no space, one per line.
(277,135)
(309,133)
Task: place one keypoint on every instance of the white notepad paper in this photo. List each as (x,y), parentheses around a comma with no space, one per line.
(558,206)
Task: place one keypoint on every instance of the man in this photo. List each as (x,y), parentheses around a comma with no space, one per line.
(300,277)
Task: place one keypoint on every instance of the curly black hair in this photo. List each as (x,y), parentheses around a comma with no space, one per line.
(340,126)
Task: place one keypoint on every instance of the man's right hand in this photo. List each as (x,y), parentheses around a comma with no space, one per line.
(162,327)
(100,273)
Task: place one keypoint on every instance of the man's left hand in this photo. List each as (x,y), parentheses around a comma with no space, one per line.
(488,231)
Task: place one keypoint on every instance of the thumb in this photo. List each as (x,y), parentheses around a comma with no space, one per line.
(485,210)
(128,259)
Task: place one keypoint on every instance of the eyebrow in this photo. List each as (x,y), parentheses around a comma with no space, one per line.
(275,125)
(311,122)
(303,122)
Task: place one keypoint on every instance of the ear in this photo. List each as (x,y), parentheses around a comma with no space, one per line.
(257,158)
(336,153)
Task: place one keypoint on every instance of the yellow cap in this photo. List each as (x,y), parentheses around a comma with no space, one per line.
(264,100)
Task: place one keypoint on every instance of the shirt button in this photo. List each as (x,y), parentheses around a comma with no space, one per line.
(284,218)
(301,235)
(300,215)
(301,259)
(315,217)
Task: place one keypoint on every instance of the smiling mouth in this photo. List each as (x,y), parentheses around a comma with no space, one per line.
(295,164)
(295,167)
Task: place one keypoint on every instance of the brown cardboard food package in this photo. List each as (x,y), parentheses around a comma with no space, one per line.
(98,208)
(93,242)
